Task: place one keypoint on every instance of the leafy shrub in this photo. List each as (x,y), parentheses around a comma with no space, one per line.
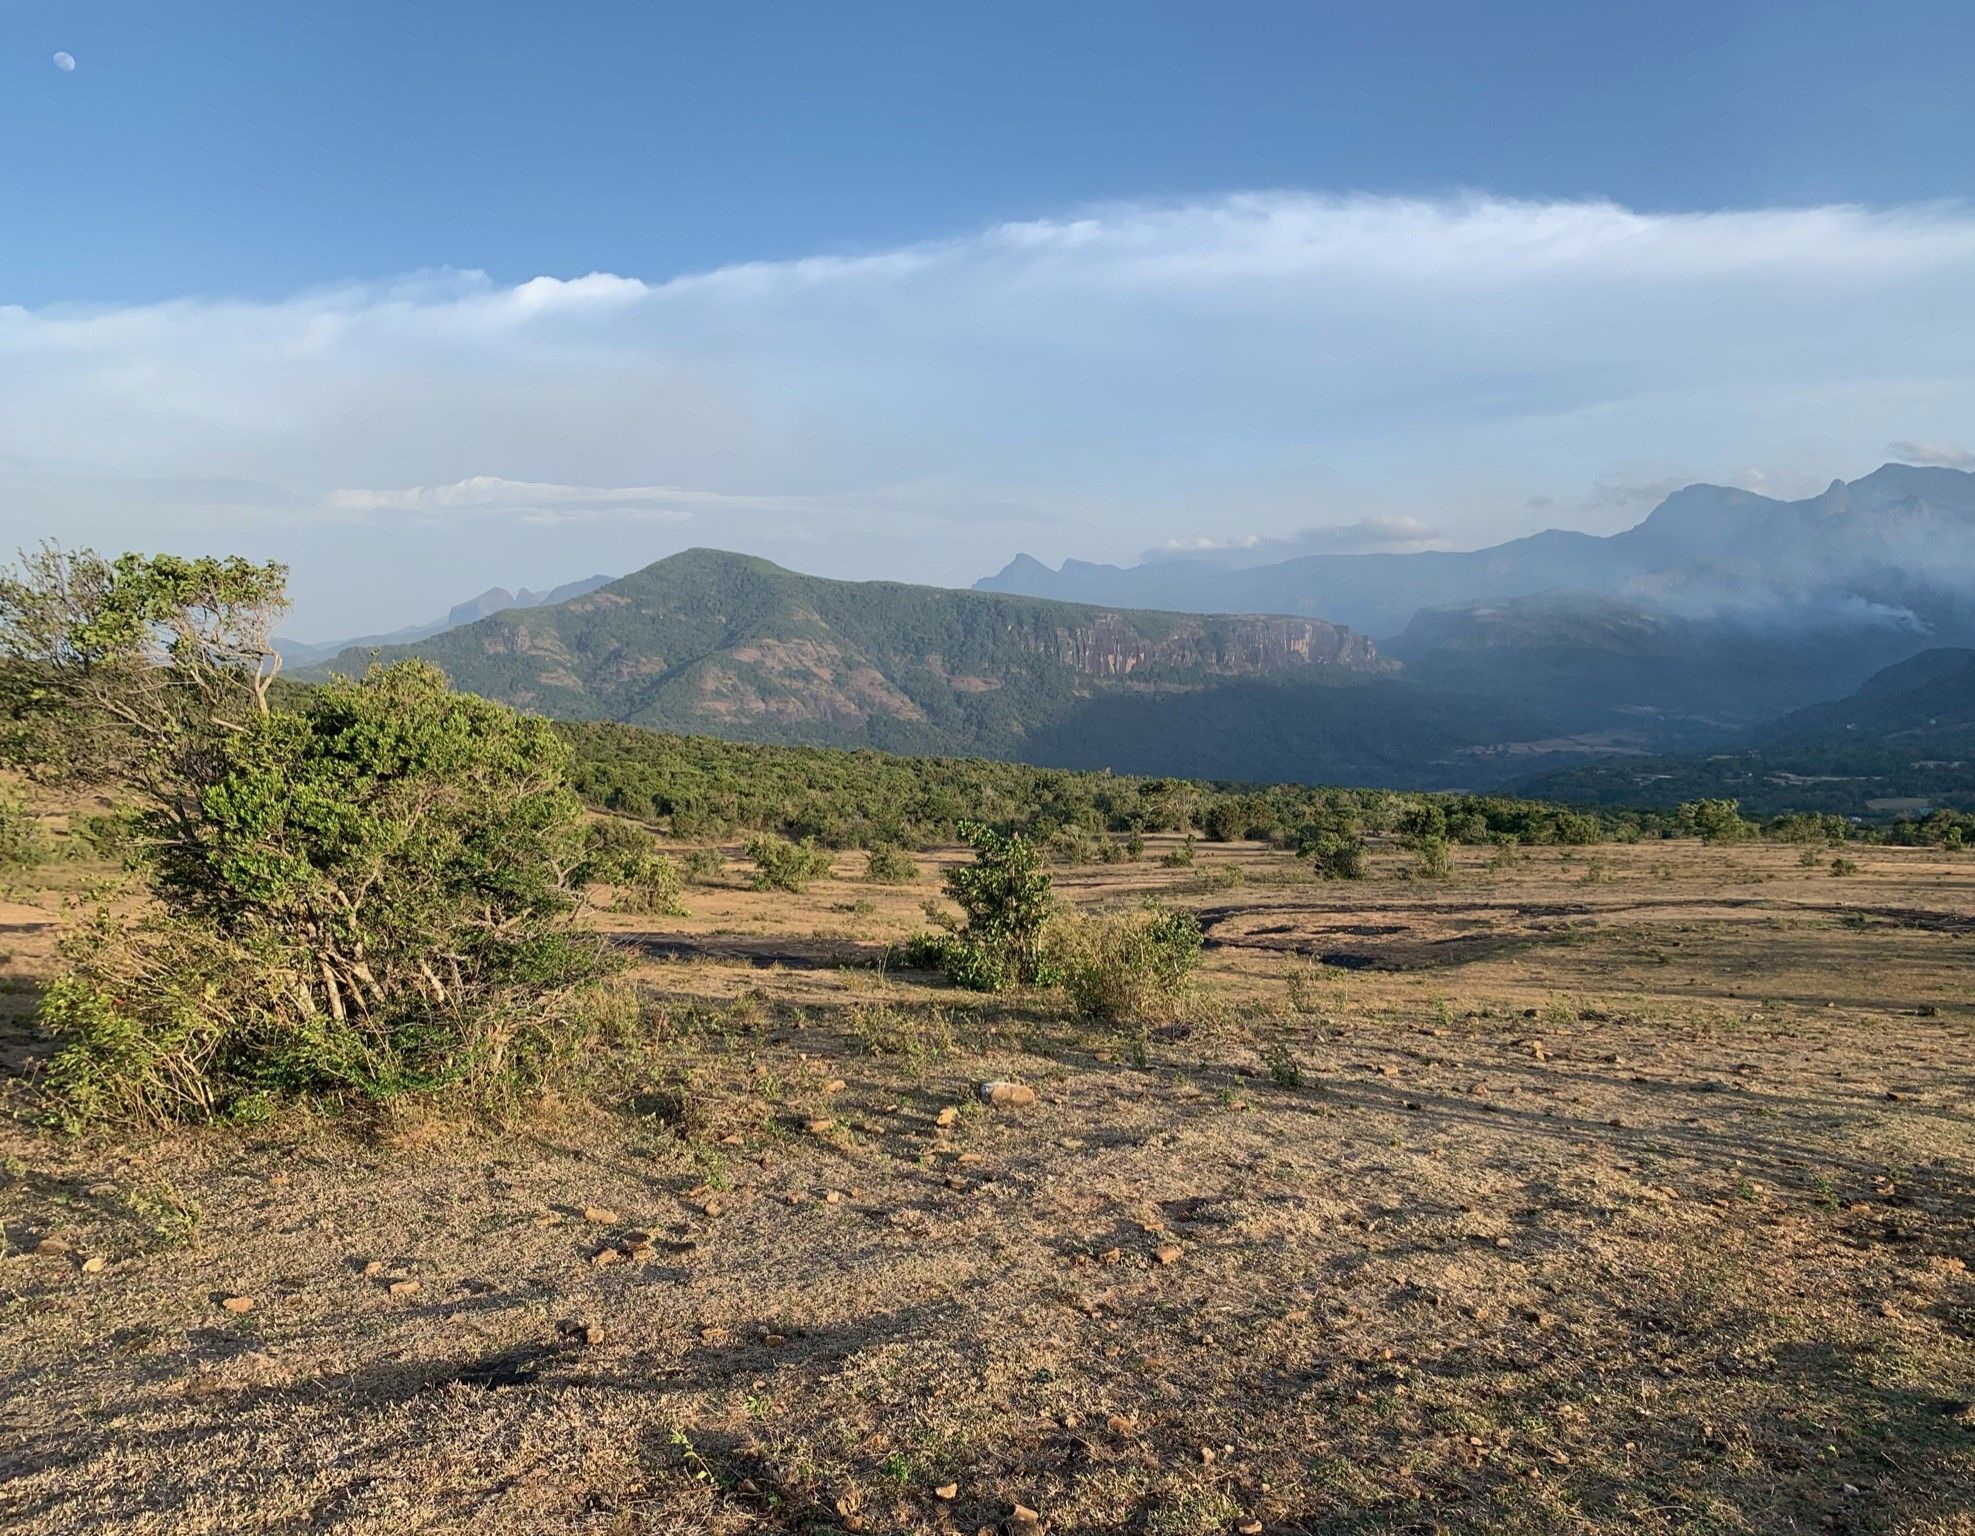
(704,866)
(1431,860)
(1126,965)
(375,902)
(888,864)
(1714,821)
(1182,856)
(1219,877)
(1006,902)
(613,850)
(1337,855)
(1843,867)
(626,857)
(653,887)
(780,865)
(117,836)
(22,845)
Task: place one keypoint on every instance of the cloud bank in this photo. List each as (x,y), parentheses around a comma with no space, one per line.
(1236,368)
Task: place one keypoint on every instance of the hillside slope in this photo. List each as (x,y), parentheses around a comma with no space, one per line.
(738,647)
(1902,743)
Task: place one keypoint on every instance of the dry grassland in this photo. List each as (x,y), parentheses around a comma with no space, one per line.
(1623,1189)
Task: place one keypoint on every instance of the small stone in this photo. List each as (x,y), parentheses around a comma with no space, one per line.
(834,1197)
(373,1269)
(947,1117)
(602,1215)
(1118,1424)
(713,1207)
(1166,1253)
(1021,1518)
(1206,1455)
(603,1258)
(237,1304)
(1006,1095)
(277,1180)
(93,1265)
(835,1085)
(1250,1528)
(52,1247)
(946,1493)
(821,1127)
(403,1287)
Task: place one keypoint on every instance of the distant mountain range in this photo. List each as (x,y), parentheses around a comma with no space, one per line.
(1894,549)
(300,653)
(1611,668)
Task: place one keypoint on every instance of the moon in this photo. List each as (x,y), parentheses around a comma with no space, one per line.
(65,62)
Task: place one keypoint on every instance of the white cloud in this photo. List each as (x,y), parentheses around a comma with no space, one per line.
(1931,453)
(1085,385)
(1389,534)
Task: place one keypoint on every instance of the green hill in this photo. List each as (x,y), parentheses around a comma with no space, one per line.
(740,648)
(1904,742)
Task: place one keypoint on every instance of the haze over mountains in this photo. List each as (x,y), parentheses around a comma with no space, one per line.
(1895,548)
(1694,633)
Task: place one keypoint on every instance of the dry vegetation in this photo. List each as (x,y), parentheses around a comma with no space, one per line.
(1623,1188)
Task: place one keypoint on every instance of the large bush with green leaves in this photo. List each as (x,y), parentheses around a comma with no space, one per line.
(368,892)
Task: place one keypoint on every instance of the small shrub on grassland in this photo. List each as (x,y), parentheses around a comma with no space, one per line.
(780,865)
(22,844)
(624,856)
(703,866)
(888,864)
(1125,965)
(1006,902)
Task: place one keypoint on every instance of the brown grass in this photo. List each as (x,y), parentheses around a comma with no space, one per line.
(1636,1202)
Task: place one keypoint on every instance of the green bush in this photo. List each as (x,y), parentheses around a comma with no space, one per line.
(375,903)
(1126,965)
(22,843)
(626,857)
(780,865)
(888,864)
(116,836)
(704,866)
(1006,902)
(1337,855)
(1431,858)
(1182,856)
(1715,821)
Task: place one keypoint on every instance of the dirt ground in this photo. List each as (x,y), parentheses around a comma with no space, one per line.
(1619,1189)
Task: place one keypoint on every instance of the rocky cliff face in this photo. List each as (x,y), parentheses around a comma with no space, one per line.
(1109,647)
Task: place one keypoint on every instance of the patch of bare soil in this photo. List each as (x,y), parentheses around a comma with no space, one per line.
(1652,1213)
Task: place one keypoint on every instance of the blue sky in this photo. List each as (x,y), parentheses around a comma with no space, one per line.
(899,289)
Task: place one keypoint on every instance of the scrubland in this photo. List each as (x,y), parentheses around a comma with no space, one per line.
(1610,1188)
